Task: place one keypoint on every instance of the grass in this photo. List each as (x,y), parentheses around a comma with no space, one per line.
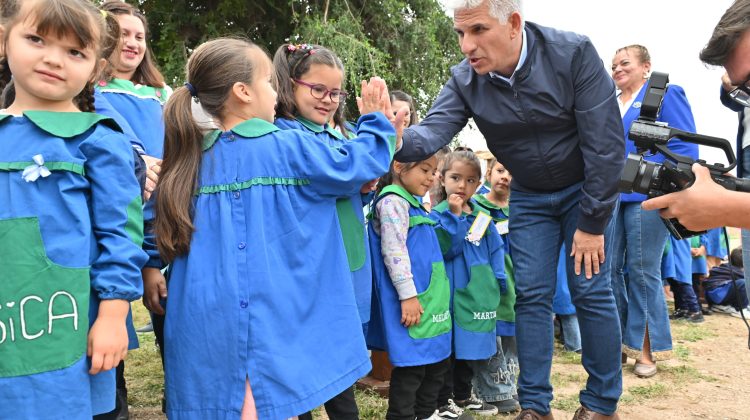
(568,403)
(690,332)
(145,376)
(681,352)
(647,392)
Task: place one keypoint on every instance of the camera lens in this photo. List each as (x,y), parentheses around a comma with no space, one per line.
(639,175)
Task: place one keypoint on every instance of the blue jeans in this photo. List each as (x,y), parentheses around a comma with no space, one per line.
(571,333)
(495,378)
(639,240)
(539,224)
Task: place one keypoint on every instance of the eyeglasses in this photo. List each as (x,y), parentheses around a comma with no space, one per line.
(319,91)
(741,94)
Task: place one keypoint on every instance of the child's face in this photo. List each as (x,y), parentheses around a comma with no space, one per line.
(499,178)
(319,111)
(461,179)
(129,54)
(397,105)
(48,71)
(263,95)
(418,179)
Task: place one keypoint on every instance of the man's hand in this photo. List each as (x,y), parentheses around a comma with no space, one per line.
(700,207)
(589,250)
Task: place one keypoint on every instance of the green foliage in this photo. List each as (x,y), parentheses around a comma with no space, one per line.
(410,43)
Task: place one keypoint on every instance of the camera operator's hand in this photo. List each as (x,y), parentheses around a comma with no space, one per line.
(589,250)
(726,83)
(705,205)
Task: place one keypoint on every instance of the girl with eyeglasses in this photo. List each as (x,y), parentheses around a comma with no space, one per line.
(309,80)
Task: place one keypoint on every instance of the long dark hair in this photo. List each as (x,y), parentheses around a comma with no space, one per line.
(398,95)
(212,70)
(147,72)
(291,62)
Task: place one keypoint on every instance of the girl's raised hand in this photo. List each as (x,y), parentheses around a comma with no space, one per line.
(376,98)
(372,99)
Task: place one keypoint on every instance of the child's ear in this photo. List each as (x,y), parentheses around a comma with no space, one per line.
(398,167)
(241,92)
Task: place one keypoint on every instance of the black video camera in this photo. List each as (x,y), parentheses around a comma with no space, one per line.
(675,174)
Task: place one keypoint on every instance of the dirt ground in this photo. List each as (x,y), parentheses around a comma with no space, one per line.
(707,378)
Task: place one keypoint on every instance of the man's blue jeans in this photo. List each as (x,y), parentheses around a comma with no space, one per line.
(539,224)
(638,241)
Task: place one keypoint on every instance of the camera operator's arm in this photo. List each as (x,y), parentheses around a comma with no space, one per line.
(705,205)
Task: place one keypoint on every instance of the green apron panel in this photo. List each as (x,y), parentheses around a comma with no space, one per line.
(435,301)
(353,232)
(475,306)
(505,310)
(44,307)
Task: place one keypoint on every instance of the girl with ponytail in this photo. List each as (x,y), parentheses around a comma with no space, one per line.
(262,320)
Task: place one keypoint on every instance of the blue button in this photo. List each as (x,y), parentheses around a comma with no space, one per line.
(243,304)
(231,137)
(242,245)
(236,194)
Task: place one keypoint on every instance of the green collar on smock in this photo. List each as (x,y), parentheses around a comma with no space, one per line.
(66,124)
(315,128)
(252,128)
(141,91)
(486,203)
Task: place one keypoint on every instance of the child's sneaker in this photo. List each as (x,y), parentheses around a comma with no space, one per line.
(694,317)
(450,411)
(476,406)
(724,309)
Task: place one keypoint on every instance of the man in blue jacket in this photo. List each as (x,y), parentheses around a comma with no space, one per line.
(546,106)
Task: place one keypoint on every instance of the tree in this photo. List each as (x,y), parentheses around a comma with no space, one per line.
(410,43)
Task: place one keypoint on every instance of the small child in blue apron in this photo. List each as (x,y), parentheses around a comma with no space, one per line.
(476,269)
(69,236)
(410,317)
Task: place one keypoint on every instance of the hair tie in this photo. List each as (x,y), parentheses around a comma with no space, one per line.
(308,49)
(193,91)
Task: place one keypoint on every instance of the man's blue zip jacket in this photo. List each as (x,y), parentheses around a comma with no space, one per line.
(557,125)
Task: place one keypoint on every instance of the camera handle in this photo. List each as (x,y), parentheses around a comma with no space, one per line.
(654,136)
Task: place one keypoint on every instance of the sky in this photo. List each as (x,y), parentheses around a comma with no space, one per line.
(673,31)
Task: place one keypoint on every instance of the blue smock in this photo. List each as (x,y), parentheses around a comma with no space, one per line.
(74,217)
(411,346)
(264,293)
(477,277)
(351,217)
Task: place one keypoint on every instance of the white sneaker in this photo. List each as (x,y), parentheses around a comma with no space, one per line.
(724,309)
(449,411)
(745,311)
(434,416)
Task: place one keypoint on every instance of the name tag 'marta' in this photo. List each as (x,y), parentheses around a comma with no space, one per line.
(477,229)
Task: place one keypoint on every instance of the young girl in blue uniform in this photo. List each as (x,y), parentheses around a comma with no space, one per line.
(411,317)
(685,301)
(495,380)
(70,237)
(309,82)
(476,269)
(262,316)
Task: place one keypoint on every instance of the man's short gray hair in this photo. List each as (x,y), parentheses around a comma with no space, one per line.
(500,9)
